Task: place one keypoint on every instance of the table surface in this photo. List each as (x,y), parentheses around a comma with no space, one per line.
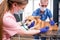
(51,34)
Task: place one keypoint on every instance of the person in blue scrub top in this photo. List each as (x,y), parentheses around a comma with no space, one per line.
(44,13)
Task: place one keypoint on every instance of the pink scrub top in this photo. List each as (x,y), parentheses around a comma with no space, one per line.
(10,26)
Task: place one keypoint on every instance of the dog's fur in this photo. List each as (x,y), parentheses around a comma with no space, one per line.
(39,23)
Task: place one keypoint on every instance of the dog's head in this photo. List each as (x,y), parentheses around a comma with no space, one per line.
(32,21)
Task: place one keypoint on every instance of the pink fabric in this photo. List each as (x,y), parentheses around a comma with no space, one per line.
(10,26)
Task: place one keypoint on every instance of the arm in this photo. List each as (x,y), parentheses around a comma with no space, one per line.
(28,32)
(32,32)
(36,12)
(14,28)
(50,17)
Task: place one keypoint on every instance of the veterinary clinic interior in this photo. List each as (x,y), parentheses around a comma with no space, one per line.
(30,19)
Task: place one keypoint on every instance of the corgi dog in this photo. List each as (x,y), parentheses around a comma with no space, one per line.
(38,24)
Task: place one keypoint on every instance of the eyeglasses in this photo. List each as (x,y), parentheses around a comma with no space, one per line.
(44,5)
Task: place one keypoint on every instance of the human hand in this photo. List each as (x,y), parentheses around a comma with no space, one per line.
(52,23)
(45,29)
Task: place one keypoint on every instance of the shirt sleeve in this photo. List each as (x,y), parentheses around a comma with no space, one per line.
(10,26)
(49,14)
(36,12)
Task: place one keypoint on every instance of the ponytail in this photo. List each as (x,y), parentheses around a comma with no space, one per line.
(3,8)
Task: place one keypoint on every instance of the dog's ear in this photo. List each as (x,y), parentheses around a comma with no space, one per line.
(37,17)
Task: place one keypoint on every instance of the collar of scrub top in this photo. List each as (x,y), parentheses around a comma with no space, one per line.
(43,13)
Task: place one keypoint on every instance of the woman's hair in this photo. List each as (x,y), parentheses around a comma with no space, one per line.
(19,2)
(2,9)
(5,6)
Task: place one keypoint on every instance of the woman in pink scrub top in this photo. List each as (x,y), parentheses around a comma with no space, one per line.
(10,26)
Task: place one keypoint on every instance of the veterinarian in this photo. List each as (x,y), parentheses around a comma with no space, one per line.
(10,26)
(44,13)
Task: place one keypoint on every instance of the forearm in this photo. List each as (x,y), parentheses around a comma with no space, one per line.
(32,32)
(51,19)
(28,32)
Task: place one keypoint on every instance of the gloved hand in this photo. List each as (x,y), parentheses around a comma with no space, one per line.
(52,23)
(32,24)
(43,30)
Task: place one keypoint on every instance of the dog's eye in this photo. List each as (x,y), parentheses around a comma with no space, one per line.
(29,20)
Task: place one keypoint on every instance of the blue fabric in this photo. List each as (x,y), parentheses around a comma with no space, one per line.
(52,23)
(43,16)
(43,30)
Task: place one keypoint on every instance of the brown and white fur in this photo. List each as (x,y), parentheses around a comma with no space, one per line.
(39,23)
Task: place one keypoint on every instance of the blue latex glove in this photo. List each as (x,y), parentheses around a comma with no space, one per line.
(32,24)
(43,30)
(52,23)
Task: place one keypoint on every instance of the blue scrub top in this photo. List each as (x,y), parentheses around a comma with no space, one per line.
(44,15)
